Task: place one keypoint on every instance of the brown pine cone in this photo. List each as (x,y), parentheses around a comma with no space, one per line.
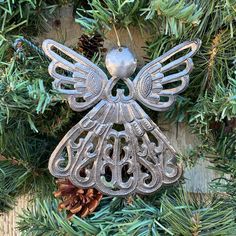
(90,45)
(76,200)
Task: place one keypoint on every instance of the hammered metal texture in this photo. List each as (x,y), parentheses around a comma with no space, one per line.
(116,148)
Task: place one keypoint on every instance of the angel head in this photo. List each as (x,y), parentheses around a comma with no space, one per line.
(120,62)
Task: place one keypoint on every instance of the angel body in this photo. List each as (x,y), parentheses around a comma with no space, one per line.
(116,148)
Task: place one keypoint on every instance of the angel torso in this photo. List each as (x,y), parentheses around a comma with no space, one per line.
(117,107)
(120,109)
(116,148)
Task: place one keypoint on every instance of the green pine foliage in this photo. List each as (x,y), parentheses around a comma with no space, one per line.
(102,16)
(174,17)
(177,214)
(33,117)
(26,101)
(197,215)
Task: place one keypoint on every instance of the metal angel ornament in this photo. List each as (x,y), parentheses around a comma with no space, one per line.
(116,148)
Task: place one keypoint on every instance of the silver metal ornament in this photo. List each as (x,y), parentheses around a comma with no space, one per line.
(116,148)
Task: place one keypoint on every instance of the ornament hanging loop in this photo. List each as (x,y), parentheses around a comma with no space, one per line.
(117,36)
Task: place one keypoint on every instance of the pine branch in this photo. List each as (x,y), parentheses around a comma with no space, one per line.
(216,106)
(22,98)
(220,53)
(8,185)
(103,15)
(218,14)
(28,101)
(175,214)
(25,166)
(175,17)
(225,164)
(44,219)
(25,14)
(135,219)
(197,215)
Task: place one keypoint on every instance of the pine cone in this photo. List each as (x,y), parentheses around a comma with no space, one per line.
(89,45)
(77,200)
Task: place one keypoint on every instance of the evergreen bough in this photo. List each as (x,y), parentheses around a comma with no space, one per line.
(33,117)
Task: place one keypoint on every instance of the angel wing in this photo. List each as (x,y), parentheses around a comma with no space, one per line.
(85,82)
(155,88)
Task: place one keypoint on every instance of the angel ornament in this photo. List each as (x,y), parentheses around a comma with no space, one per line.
(116,148)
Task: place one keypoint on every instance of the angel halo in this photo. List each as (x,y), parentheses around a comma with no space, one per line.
(116,147)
